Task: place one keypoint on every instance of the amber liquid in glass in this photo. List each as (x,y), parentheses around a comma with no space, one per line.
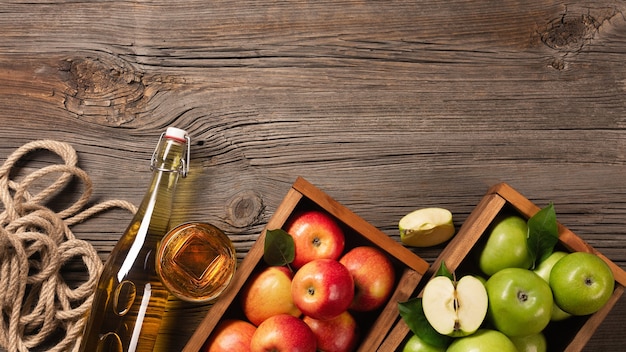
(196,262)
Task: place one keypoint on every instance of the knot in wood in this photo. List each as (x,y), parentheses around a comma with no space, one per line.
(104,90)
(244,209)
(568,33)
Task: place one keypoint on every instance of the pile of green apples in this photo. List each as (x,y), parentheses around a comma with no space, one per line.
(307,293)
(522,285)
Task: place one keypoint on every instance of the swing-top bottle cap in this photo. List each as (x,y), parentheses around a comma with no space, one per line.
(180,136)
(176,134)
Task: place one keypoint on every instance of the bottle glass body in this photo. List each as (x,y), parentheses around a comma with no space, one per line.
(129,300)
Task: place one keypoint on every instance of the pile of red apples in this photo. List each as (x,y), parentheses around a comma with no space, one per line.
(313,303)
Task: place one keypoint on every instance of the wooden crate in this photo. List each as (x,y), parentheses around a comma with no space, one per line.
(503,198)
(410,268)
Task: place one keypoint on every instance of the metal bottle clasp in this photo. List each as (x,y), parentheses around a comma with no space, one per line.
(183,169)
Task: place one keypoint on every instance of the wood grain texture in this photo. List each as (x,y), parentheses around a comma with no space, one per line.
(386,106)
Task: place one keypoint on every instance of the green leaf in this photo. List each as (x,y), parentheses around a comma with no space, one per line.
(279,248)
(543,234)
(443,271)
(412,313)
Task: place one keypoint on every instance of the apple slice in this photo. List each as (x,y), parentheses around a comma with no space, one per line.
(426,227)
(455,308)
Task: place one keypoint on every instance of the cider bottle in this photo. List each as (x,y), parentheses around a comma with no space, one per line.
(130,300)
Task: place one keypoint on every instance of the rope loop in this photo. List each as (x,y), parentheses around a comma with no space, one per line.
(38,308)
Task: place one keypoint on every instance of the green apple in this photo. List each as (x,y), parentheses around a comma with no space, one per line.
(415,344)
(426,227)
(483,340)
(520,302)
(455,308)
(506,246)
(531,343)
(582,283)
(543,269)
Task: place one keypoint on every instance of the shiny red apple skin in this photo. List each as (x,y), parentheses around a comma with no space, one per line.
(339,334)
(230,335)
(322,288)
(316,235)
(373,274)
(268,293)
(283,333)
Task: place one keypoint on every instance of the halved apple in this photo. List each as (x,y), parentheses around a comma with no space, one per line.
(455,308)
(426,227)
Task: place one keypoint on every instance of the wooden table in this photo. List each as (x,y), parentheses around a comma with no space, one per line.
(387,106)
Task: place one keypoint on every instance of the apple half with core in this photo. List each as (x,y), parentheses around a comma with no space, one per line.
(506,246)
(455,308)
(426,227)
(582,283)
(316,235)
(283,333)
(373,274)
(543,269)
(520,302)
(322,289)
(483,340)
(268,293)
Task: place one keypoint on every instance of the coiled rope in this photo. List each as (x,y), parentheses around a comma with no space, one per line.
(37,306)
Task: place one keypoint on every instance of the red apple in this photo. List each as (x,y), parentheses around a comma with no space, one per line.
(373,274)
(322,288)
(283,333)
(339,334)
(230,335)
(268,293)
(316,235)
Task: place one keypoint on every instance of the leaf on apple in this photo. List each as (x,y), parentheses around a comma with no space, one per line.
(443,271)
(543,234)
(279,248)
(412,313)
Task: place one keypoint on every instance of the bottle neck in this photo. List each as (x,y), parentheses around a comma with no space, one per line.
(167,165)
(151,221)
(169,156)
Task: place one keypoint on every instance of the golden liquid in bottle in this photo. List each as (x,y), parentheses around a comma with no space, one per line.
(130,299)
(196,262)
(122,306)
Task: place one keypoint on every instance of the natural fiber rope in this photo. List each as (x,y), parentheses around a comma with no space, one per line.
(36,304)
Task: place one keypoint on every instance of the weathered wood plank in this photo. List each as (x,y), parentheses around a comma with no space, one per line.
(386,106)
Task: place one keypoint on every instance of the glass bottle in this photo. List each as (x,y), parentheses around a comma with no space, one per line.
(130,300)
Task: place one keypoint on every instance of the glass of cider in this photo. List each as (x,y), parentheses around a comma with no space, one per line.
(196,261)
